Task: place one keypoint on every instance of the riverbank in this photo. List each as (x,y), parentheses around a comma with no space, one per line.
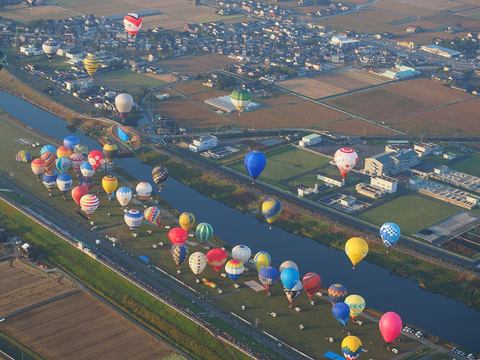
(431,274)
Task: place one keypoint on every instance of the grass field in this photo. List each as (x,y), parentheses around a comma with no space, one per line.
(288,163)
(194,65)
(427,212)
(127,81)
(470,165)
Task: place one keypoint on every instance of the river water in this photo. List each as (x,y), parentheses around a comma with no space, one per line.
(447,318)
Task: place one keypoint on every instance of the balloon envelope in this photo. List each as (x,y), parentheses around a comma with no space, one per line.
(345,159)
(48,148)
(177,235)
(86,169)
(351,347)
(70,142)
(63,164)
(123,103)
(341,312)
(390,326)
(216,258)
(89,203)
(240,99)
(254,163)
(312,283)
(186,221)
(143,190)
(390,234)
(287,264)
(290,277)
(268,276)
(133,218)
(92,64)
(124,195)
(109,184)
(197,262)
(356,249)
(64,182)
(337,292)
(271,209)
(356,303)
(38,166)
(179,253)
(241,253)
(160,176)
(95,158)
(152,215)
(132,23)
(261,259)
(204,232)
(78,192)
(234,269)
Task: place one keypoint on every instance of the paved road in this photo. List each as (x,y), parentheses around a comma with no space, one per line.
(163,285)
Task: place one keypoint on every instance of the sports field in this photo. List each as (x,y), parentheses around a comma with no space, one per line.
(419,106)
(470,165)
(287,164)
(412,212)
(333,83)
(127,81)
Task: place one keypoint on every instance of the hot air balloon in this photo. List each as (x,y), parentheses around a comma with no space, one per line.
(255,162)
(390,326)
(124,195)
(351,347)
(261,259)
(268,276)
(312,283)
(70,142)
(78,192)
(216,258)
(356,249)
(177,235)
(109,185)
(132,23)
(345,159)
(287,264)
(63,151)
(241,253)
(133,218)
(23,156)
(294,292)
(50,47)
(92,64)
(337,293)
(271,209)
(86,169)
(123,104)
(356,304)
(186,221)
(50,180)
(81,149)
(240,99)
(234,269)
(143,190)
(76,160)
(110,151)
(390,234)
(95,158)
(289,277)
(179,254)
(341,312)
(152,215)
(38,166)
(89,203)
(49,160)
(204,232)
(64,183)
(160,176)
(63,164)
(87,181)
(48,148)
(197,262)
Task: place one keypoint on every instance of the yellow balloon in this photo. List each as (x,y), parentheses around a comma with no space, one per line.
(186,221)
(109,184)
(356,303)
(356,249)
(351,347)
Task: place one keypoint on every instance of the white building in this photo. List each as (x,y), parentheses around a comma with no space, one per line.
(342,40)
(425,149)
(331,181)
(203,143)
(385,183)
(347,201)
(310,140)
(30,50)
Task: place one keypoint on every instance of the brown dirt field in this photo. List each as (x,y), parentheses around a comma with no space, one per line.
(81,327)
(192,87)
(194,114)
(419,105)
(197,64)
(332,83)
(22,285)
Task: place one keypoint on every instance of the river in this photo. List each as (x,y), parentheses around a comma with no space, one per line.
(437,314)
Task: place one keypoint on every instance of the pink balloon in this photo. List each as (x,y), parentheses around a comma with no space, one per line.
(390,326)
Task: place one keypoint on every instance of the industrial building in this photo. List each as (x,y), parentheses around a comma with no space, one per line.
(441,51)
(310,140)
(203,143)
(342,41)
(331,181)
(391,163)
(224,103)
(400,72)
(425,149)
(385,183)
(457,178)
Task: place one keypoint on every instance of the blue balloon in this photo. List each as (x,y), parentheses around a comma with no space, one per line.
(341,312)
(268,276)
(50,180)
(48,148)
(390,233)
(70,141)
(290,278)
(255,162)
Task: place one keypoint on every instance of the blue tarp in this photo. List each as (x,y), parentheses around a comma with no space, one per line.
(122,135)
(144,258)
(332,356)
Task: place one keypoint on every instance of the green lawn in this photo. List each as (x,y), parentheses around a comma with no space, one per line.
(126,80)
(470,165)
(287,163)
(412,212)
